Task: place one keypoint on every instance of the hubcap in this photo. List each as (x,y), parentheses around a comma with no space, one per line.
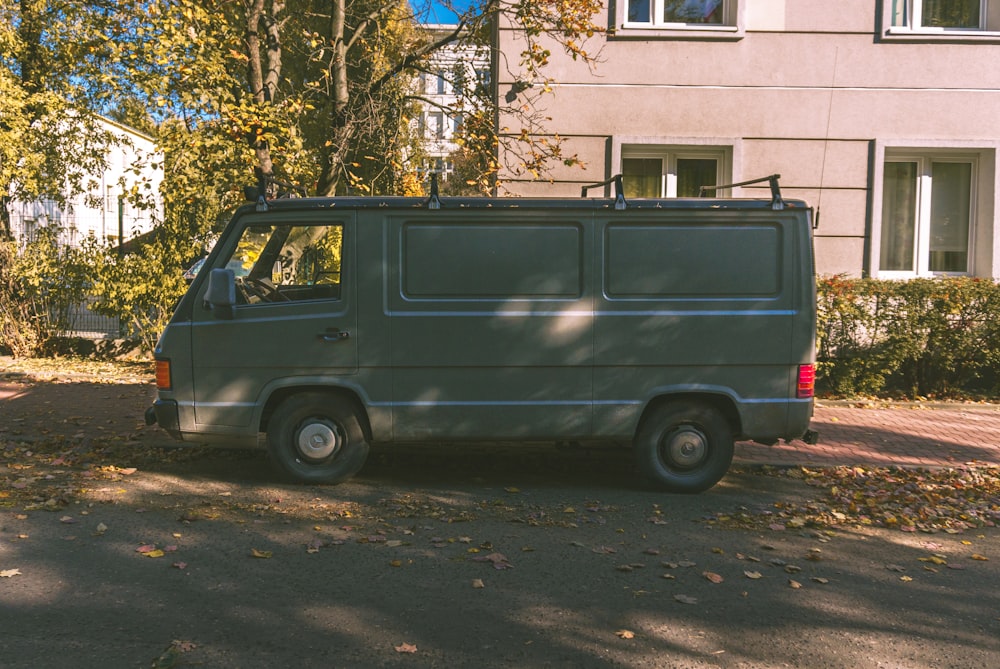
(685,447)
(318,440)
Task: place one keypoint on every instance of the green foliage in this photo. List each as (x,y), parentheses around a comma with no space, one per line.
(39,284)
(140,288)
(917,338)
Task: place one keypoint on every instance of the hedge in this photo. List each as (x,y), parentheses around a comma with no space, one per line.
(922,338)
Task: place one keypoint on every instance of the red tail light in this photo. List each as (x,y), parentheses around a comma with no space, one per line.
(807,381)
(163,380)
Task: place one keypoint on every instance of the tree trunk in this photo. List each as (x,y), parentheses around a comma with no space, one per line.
(263,86)
(340,96)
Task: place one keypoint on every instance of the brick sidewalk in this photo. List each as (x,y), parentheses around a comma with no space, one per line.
(942,435)
(930,435)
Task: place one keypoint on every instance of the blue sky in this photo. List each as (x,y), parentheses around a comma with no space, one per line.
(437,10)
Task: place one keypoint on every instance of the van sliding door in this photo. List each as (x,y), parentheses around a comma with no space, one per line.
(491,325)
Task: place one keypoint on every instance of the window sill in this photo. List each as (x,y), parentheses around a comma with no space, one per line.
(898,34)
(677,32)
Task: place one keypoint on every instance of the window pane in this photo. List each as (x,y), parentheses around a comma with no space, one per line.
(693,173)
(692,11)
(642,177)
(899,202)
(950,13)
(900,14)
(951,185)
(638,11)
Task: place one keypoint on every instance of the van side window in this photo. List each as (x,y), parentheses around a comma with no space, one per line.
(287,263)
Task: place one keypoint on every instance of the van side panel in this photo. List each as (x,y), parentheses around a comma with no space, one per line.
(492,325)
(706,304)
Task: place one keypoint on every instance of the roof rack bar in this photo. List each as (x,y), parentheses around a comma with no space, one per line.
(776,202)
(619,190)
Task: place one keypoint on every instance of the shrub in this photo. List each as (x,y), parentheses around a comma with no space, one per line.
(922,337)
(39,283)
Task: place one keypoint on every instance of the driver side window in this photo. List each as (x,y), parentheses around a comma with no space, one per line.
(287,263)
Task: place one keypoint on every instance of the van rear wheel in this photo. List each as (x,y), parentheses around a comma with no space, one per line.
(317,438)
(684,447)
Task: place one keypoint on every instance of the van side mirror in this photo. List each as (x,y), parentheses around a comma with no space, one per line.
(221,294)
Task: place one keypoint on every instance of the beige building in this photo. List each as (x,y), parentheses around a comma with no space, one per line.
(883,115)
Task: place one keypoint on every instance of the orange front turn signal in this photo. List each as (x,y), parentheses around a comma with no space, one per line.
(163,380)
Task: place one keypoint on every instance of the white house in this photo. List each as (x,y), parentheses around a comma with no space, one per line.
(132,163)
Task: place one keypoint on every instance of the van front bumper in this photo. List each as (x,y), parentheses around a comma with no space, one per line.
(164,414)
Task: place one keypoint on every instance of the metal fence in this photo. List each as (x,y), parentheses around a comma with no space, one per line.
(85,323)
(26,219)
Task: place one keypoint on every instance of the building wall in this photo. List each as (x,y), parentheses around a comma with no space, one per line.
(450,68)
(818,92)
(132,162)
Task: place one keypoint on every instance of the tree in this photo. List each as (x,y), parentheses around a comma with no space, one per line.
(54,61)
(316,94)
(319,94)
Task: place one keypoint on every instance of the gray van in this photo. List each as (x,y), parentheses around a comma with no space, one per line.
(675,325)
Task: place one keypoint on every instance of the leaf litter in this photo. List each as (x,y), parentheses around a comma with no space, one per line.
(910,500)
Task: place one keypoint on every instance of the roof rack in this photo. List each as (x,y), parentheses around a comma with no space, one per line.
(620,202)
(433,201)
(266,185)
(776,202)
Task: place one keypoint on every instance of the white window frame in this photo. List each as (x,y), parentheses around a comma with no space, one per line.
(669,154)
(732,26)
(982,261)
(911,24)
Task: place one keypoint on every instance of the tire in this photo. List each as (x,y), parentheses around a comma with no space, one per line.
(684,447)
(317,438)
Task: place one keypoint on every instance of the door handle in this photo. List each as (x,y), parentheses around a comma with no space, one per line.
(333,334)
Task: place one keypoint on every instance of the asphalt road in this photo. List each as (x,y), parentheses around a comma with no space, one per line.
(540,559)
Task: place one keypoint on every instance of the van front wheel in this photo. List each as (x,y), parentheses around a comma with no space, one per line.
(684,447)
(317,438)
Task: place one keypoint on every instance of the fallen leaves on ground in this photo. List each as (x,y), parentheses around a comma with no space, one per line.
(910,500)
(9,573)
(498,560)
(172,655)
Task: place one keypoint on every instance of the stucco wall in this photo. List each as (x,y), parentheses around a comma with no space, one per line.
(809,89)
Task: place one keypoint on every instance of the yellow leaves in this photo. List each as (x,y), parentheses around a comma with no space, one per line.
(981,558)
(408,648)
(263,555)
(10,573)
(625,634)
